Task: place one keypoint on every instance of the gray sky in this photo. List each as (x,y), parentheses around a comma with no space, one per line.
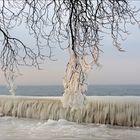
(117,67)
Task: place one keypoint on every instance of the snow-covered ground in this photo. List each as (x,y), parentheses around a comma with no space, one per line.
(29,129)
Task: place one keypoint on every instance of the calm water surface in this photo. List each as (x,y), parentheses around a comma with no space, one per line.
(99,90)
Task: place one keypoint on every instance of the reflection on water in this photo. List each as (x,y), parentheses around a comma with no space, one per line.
(29,129)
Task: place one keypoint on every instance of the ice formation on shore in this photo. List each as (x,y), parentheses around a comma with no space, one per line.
(117,110)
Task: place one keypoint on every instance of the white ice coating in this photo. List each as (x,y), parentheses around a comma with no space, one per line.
(114,110)
(75,81)
(32,129)
(10,80)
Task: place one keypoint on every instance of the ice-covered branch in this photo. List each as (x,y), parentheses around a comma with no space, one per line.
(75,81)
(76,24)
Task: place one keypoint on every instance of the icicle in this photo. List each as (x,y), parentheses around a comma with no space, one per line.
(114,110)
(10,77)
(75,82)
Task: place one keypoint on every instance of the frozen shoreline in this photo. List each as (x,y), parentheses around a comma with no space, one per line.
(117,98)
(31,129)
(114,110)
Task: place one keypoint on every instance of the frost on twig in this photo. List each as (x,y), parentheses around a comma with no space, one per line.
(75,81)
(10,77)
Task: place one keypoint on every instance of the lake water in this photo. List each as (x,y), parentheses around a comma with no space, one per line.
(29,129)
(99,90)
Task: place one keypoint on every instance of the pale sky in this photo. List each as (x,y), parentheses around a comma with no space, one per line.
(117,67)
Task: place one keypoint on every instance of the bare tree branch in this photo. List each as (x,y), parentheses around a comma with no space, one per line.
(80,23)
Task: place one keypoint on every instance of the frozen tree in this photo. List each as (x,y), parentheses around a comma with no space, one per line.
(79,23)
